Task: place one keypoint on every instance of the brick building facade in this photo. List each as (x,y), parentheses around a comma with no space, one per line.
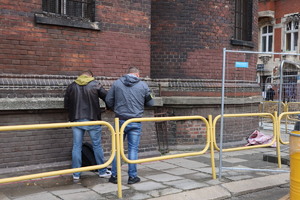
(279,32)
(177,45)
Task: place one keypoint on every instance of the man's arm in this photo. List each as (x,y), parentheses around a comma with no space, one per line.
(66,98)
(110,98)
(102,93)
(149,98)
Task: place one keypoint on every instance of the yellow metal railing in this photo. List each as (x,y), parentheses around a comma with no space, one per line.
(275,133)
(155,119)
(60,125)
(117,143)
(287,106)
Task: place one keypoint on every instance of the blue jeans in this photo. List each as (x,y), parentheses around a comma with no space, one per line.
(95,135)
(133,133)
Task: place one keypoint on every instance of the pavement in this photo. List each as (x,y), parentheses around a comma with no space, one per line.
(179,178)
(188,178)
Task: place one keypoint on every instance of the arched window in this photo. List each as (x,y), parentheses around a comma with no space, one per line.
(267,38)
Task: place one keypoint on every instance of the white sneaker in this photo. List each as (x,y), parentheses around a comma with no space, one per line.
(106,174)
(76,177)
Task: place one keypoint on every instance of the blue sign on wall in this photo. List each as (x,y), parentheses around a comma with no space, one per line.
(241,64)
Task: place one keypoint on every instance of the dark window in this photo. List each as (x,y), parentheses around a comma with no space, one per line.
(81,9)
(243,20)
(72,13)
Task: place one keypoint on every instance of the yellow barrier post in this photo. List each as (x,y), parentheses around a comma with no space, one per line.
(212,150)
(294,165)
(119,173)
(276,124)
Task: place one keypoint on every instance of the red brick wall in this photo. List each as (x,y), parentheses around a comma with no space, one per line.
(188,38)
(193,132)
(283,7)
(32,147)
(30,48)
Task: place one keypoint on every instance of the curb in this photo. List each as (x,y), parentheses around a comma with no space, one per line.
(232,189)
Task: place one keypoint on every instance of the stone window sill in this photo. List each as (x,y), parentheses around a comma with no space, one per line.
(41,18)
(242,43)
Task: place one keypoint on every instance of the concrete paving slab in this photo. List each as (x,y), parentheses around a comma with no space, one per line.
(198,176)
(234,160)
(38,196)
(86,195)
(160,165)
(238,178)
(213,182)
(186,184)
(240,187)
(69,189)
(148,186)
(180,171)
(139,196)
(207,170)
(21,190)
(162,177)
(3,197)
(107,188)
(208,193)
(163,192)
(183,162)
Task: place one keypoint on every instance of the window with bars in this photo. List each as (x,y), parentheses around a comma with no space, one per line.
(267,38)
(243,20)
(82,9)
(72,13)
(291,36)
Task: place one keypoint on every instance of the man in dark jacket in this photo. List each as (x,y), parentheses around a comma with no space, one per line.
(270,93)
(82,101)
(127,98)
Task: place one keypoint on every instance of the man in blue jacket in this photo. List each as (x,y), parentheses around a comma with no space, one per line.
(127,98)
(82,102)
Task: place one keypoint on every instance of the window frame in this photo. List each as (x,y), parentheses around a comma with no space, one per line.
(243,23)
(292,32)
(57,13)
(267,35)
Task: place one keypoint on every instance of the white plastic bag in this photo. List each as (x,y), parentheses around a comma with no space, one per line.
(258,137)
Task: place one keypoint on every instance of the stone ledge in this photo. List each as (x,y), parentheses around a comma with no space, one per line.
(43,103)
(57,103)
(208,100)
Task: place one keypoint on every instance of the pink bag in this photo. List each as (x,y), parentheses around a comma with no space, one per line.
(258,137)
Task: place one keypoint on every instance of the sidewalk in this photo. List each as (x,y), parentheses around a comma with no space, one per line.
(174,179)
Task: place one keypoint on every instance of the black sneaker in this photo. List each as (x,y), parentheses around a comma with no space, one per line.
(133,180)
(113,179)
